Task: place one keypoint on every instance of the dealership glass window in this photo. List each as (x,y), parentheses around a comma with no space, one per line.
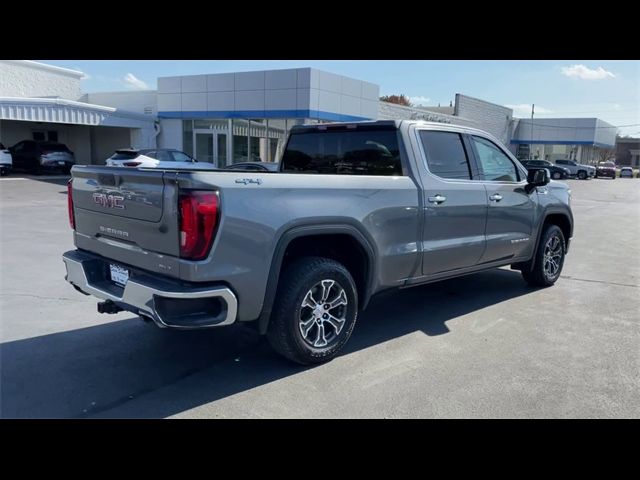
(239,147)
(446,156)
(187,137)
(273,148)
(39,136)
(256,139)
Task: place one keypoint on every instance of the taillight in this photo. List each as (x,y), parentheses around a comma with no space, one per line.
(72,218)
(198,217)
(131,164)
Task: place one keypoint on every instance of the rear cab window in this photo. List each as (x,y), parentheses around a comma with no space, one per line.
(347,150)
(124,155)
(54,147)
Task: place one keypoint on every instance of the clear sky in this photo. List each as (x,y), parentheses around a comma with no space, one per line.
(609,90)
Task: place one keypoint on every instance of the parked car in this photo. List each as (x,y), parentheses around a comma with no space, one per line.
(254,166)
(626,172)
(154,158)
(6,162)
(606,169)
(301,251)
(557,172)
(577,170)
(39,156)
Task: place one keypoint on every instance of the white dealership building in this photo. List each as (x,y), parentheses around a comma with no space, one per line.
(224,118)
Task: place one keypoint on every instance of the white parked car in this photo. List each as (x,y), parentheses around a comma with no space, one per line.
(6,161)
(626,172)
(154,158)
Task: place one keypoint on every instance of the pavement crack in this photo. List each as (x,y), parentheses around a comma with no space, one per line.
(568,277)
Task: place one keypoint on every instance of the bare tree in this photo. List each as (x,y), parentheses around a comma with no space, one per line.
(401,99)
(606,154)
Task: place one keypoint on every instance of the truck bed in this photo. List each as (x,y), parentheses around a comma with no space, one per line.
(131,217)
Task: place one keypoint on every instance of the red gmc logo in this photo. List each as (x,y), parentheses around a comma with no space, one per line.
(108,201)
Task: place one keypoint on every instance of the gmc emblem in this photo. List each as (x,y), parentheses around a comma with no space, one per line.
(108,201)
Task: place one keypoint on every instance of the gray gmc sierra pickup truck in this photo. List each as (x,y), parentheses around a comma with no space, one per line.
(354,209)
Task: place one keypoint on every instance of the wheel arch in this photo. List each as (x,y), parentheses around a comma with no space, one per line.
(309,233)
(554,217)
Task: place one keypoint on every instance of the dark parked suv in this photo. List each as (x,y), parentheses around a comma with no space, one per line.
(557,172)
(37,157)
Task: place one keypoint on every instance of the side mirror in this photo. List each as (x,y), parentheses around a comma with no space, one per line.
(537,177)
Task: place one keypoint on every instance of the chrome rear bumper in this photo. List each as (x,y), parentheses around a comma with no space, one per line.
(168,305)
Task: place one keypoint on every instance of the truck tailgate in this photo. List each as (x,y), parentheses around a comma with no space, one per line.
(125,209)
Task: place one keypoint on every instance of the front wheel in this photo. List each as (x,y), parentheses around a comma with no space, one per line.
(548,260)
(582,175)
(315,310)
(556,176)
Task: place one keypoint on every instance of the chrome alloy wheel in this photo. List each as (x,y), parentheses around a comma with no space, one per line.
(323,313)
(552,257)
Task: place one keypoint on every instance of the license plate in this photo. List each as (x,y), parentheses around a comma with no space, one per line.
(119,275)
(60,163)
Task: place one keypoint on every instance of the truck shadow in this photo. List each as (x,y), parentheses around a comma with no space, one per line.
(128,369)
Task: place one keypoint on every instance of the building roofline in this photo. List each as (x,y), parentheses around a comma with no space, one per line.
(121,91)
(45,66)
(70,103)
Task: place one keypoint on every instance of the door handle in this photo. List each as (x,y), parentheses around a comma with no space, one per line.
(437,199)
(496,197)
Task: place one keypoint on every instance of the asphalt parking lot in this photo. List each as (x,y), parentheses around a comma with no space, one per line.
(482,346)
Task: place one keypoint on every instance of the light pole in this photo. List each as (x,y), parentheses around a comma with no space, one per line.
(531,144)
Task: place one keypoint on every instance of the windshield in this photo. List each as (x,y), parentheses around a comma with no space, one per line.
(606,164)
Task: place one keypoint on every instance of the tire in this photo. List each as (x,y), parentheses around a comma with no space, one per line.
(538,276)
(556,176)
(582,175)
(291,317)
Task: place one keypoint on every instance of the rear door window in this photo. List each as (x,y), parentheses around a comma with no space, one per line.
(180,157)
(163,156)
(359,151)
(446,156)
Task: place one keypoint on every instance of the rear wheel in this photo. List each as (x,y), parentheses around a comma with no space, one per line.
(315,310)
(548,260)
